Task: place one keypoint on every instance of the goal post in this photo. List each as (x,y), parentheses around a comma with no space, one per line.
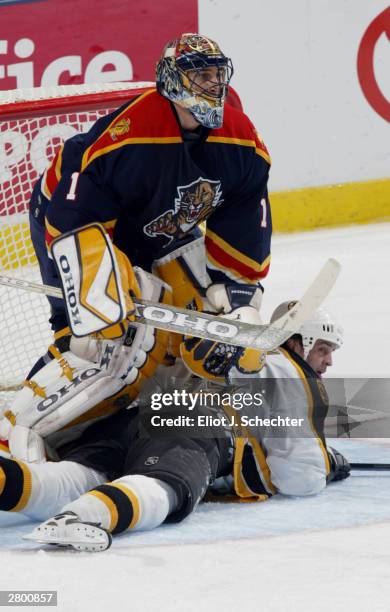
(33,124)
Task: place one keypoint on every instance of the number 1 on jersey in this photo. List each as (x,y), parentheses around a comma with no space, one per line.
(263,204)
(71,195)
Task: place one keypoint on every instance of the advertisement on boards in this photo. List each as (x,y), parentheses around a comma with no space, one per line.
(51,42)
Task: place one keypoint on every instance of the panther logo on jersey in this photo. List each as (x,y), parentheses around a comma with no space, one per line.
(194,203)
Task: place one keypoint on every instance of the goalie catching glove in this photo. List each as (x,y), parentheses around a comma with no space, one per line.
(223,362)
(86,378)
(239,302)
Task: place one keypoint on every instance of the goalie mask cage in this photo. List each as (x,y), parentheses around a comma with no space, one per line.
(33,124)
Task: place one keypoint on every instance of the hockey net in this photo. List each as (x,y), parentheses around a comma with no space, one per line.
(33,124)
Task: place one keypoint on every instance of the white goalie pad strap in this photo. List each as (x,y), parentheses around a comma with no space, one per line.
(150,285)
(27,445)
(128,358)
(90,277)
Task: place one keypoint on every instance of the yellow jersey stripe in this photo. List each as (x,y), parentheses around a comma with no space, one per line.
(240,485)
(241,142)
(311,407)
(262,464)
(237,254)
(85,161)
(59,164)
(52,230)
(110,224)
(4,448)
(129,141)
(2,477)
(44,186)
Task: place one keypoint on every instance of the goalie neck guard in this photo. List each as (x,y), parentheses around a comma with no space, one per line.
(322,326)
(194,73)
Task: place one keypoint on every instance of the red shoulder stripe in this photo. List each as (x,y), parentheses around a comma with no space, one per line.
(146,120)
(241,270)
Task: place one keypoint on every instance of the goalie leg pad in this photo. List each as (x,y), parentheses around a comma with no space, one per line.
(185,271)
(93,377)
(50,400)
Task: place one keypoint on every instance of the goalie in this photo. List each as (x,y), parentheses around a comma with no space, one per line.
(163,479)
(149,174)
(156,168)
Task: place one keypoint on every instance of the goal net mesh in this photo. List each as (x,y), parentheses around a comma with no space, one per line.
(33,124)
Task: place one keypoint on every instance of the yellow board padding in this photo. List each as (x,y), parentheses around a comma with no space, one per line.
(16,248)
(292,211)
(331,205)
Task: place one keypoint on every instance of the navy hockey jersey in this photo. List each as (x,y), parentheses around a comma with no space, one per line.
(134,173)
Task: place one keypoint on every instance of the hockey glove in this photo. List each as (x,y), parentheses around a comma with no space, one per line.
(237,301)
(339,466)
(220,362)
(224,362)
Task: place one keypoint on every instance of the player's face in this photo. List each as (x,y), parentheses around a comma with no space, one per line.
(320,356)
(208,80)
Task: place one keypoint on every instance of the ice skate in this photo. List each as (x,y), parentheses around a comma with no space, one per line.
(68,530)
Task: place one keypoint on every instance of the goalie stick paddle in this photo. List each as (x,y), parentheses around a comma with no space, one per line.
(218,328)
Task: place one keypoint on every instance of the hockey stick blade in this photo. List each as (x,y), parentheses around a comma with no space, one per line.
(218,328)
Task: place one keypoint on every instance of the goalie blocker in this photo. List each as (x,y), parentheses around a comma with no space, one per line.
(97,280)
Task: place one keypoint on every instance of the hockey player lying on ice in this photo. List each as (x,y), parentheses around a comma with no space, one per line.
(163,478)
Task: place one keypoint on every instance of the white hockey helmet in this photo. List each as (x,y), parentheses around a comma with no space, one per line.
(322,326)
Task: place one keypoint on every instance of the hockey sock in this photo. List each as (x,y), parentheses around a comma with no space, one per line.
(133,502)
(40,490)
(15,485)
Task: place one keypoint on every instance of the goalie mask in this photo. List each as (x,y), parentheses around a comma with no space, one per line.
(194,73)
(322,326)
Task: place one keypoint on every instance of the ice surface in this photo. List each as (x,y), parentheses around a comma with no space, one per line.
(329,552)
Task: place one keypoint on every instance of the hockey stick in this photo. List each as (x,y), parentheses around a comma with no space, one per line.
(367,467)
(217,328)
